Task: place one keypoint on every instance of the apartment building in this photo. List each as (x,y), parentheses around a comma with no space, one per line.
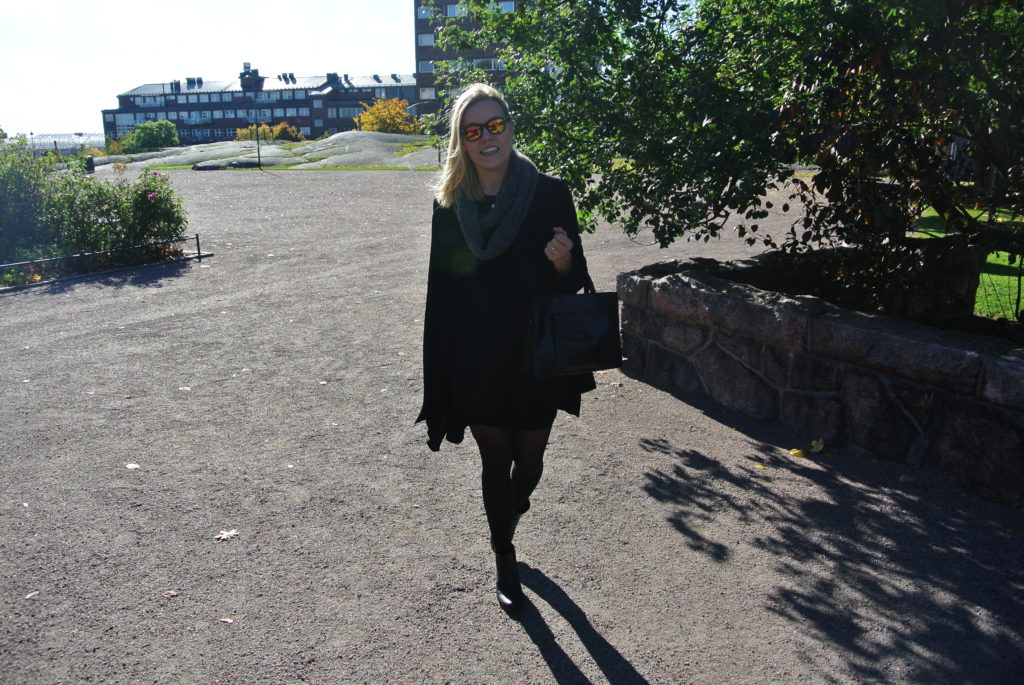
(206,111)
(430,15)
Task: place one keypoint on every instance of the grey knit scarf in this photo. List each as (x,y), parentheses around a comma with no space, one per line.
(505,218)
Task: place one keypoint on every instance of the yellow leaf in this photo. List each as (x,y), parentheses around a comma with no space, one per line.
(760,466)
(797,453)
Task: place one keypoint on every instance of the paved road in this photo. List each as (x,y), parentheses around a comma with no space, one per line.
(270,390)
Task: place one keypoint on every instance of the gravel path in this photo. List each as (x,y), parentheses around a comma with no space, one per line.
(270,390)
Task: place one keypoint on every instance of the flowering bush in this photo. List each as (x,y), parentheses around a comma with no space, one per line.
(51,212)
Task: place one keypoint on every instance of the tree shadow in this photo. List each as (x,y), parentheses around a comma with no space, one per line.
(613,665)
(140,276)
(903,576)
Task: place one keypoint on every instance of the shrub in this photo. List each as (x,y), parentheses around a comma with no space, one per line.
(23,181)
(281,131)
(151,135)
(388,116)
(113,146)
(45,212)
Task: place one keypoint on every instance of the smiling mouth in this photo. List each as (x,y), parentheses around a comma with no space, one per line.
(489,151)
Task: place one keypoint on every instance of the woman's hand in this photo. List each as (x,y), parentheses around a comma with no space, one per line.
(559,251)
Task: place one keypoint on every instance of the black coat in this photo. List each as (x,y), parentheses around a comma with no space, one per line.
(474,327)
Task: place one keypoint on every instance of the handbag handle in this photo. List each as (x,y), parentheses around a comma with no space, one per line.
(588,283)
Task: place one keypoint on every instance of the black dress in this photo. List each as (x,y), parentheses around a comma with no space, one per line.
(474,325)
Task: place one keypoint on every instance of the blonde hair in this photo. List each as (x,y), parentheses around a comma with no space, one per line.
(458,173)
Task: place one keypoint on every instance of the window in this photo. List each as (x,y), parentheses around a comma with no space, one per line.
(305,130)
(205,115)
(240,114)
(291,112)
(110,117)
(452,11)
(161,116)
(204,98)
(278,112)
(426,67)
(214,97)
(303,111)
(318,103)
(506,7)
(424,12)
(427,94)
(425,39)
(332,112)
(286,95)
(318,123)
(192,99)
(172,115)
(264,115)
(218,132)
(349,111)
(183,116)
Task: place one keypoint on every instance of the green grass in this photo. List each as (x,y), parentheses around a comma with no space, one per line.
(415,146)
(999,288)
(1000,284)
(292,146)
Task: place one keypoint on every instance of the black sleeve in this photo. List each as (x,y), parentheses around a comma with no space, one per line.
(576,279)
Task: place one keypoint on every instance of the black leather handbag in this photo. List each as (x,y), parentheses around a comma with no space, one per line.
(569,334)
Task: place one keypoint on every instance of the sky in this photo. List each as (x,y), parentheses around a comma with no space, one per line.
(63,61)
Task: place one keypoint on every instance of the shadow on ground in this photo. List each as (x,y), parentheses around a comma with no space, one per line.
(899,574)
(613,665)
(141,276)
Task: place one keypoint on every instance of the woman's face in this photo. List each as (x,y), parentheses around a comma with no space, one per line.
(489,153)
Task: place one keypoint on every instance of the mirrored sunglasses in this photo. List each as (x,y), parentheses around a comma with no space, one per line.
(496,126)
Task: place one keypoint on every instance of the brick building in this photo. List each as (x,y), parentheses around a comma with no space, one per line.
(206,111)
(428,16)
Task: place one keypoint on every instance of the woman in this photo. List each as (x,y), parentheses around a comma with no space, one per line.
(502,233)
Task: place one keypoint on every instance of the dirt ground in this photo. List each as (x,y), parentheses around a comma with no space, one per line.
(270,390)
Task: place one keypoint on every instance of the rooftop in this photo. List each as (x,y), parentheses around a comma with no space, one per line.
(285,81)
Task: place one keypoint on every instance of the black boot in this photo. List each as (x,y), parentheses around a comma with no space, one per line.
(509,590)
(516,515)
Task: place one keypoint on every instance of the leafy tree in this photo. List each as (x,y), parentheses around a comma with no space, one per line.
(388,116)
(151,135)
(679,116)
(3,135)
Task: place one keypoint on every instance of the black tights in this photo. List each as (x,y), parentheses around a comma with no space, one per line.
(512,463)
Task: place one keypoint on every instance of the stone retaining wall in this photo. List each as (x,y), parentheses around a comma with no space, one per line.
(884,387)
